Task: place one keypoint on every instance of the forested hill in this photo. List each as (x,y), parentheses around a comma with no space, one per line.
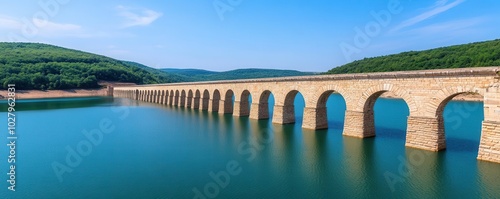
(460,56)
(41,67)
(249,73)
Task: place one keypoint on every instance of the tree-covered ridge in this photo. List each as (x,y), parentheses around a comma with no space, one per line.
(42,67)
(250,73)
(460,56)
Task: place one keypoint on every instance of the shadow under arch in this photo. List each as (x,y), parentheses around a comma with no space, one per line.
(176,98)
(171,100)
(369,113)
(323,120)
(263,110)
(189,103)
(228,102)
(289,114)
(205,100)
(162,97)
(196,100)
(244,106)
(453,115)
(183,98)
(215,101)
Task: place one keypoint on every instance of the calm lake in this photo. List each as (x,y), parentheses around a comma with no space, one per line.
(120,148)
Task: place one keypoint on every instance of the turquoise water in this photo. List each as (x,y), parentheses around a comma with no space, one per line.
(154,151)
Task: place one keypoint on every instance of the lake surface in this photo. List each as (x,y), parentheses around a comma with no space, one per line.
(143,150)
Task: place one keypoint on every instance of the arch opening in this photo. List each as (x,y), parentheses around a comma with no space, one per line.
(265,107)
(157,96)
(293,108)
(205,100)
(215,101)
(176,98)
(229,102)
(331,107)
(162,98)
(244,104)
(183,98)
(459,118)
(196,100)
(385,114)
(171,98)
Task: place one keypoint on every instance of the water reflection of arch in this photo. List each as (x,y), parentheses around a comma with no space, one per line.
(489,173)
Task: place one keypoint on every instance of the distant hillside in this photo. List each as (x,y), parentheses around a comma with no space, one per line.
(42,67)
(163,76)
(460,56)
(204,75)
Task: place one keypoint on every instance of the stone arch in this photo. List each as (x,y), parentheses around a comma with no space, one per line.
(322,93)
(158,96)
(205,100)
(262,110)
(176,98)
(183,98)
(244,104)
(215,101)
(165,97)
(171,98)
(367,102)
(372,93)
(152,96)
(162,96)
(445,95)
(285,114)
(155,96)
(228,102)
(196,100)
(189,103)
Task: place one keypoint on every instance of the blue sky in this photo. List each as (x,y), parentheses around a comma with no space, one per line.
(219,35)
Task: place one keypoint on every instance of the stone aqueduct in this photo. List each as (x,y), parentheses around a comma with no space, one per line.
(425,92)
